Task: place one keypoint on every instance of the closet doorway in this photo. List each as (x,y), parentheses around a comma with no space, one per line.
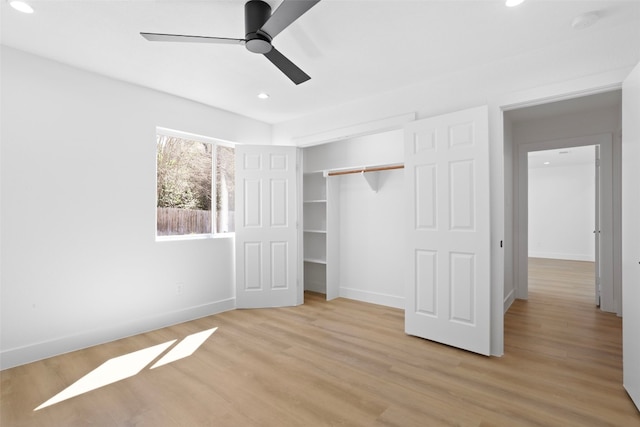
(353,220)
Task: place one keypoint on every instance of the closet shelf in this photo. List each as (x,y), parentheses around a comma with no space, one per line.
(315,231)
(316,201)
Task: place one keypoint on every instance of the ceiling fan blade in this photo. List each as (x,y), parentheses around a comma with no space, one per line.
(285,14)
(156,37)
(287,67)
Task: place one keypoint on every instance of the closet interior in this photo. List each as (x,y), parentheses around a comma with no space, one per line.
(353,199)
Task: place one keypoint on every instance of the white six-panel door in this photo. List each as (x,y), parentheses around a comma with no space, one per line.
(266,229)
(448,258)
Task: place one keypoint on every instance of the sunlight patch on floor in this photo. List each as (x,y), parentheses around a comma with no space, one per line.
(129,365)
(185,348)
(109,372)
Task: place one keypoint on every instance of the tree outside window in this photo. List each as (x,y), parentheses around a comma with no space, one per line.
(185,191)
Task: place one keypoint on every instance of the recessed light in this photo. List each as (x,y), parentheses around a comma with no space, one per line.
(513,3)
(547,163)
(21,6)
(263,95)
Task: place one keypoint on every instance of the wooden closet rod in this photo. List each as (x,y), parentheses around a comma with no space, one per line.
(374,169)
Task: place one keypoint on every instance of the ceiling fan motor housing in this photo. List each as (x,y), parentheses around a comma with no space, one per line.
(256,13)
(260,28)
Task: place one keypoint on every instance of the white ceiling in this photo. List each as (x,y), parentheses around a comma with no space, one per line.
(351,49)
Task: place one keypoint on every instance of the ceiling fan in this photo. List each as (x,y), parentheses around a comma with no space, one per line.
(260,28)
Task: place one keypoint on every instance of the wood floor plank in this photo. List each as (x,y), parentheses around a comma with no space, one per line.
(349,363)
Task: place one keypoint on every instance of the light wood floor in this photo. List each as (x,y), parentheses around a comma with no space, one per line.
(349,363)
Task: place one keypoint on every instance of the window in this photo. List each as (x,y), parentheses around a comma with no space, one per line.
(195,179)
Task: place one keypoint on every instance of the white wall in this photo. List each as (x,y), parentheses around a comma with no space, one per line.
(509,292)
(377,149)
(80,264)
(562,212)
(372,238)
(562,126)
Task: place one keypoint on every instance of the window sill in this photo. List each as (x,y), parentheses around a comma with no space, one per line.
(185,237)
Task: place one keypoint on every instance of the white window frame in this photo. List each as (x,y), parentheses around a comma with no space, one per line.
(214,161)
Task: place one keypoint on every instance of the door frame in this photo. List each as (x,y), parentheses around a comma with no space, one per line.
(501,160)
(606,208)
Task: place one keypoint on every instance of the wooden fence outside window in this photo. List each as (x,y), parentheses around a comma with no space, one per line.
(175,221)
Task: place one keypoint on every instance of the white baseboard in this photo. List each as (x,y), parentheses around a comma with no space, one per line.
(555,255)
(42,350)
(373,297)
(320,288)
(508,300)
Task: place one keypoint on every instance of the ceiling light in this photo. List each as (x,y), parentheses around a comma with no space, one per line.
(263,95)
(21,6)
(547,163)
(513,3)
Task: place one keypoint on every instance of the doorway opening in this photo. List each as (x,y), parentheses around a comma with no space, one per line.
(563,224)
(550,304)
(593,120)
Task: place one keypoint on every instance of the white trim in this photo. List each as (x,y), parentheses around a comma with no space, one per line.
(318,287)
(361,129)
(520,220)
(193,137)
(589,85)
(563,97)
(372,297)
(299,227)
(183,237)
(564,256)
(509,299)
(56,346)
